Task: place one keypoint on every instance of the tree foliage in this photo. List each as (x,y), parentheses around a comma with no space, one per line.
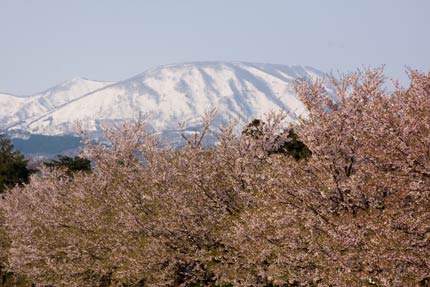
(71,165)
(286,142)
(13,166)
(355,213)
(13,171)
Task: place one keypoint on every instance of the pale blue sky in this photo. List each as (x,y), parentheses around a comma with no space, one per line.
(45,42)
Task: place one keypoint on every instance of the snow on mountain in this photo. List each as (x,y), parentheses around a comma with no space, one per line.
(169,94)
(16,109)
(69,91)
(9,105)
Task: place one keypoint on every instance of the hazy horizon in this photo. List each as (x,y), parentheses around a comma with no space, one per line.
(48,42)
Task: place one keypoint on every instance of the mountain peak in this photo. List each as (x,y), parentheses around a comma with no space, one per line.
(80,81)
(170,94)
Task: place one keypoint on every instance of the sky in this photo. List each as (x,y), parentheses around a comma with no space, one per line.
(46,42)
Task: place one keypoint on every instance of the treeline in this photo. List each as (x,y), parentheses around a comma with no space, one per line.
(16,170)
(340,199)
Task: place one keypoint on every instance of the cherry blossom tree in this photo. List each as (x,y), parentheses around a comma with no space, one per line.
(356,212)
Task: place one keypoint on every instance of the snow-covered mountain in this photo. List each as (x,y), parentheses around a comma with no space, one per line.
(15,110)
(169,94)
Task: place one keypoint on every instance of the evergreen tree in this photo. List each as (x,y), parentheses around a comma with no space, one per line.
(291,147)
(254,129)
(13,165)
(71,164)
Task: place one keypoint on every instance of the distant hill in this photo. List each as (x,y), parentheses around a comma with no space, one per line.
(47,146)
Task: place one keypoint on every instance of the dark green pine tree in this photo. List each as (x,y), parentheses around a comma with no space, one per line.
(292,147)
(13,165)
(71,164)
(254,129)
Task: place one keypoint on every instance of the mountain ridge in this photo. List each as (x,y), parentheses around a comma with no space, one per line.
(171,93)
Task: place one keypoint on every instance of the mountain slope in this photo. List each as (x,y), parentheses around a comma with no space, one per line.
(9,105)
(14,110)
(170,94)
